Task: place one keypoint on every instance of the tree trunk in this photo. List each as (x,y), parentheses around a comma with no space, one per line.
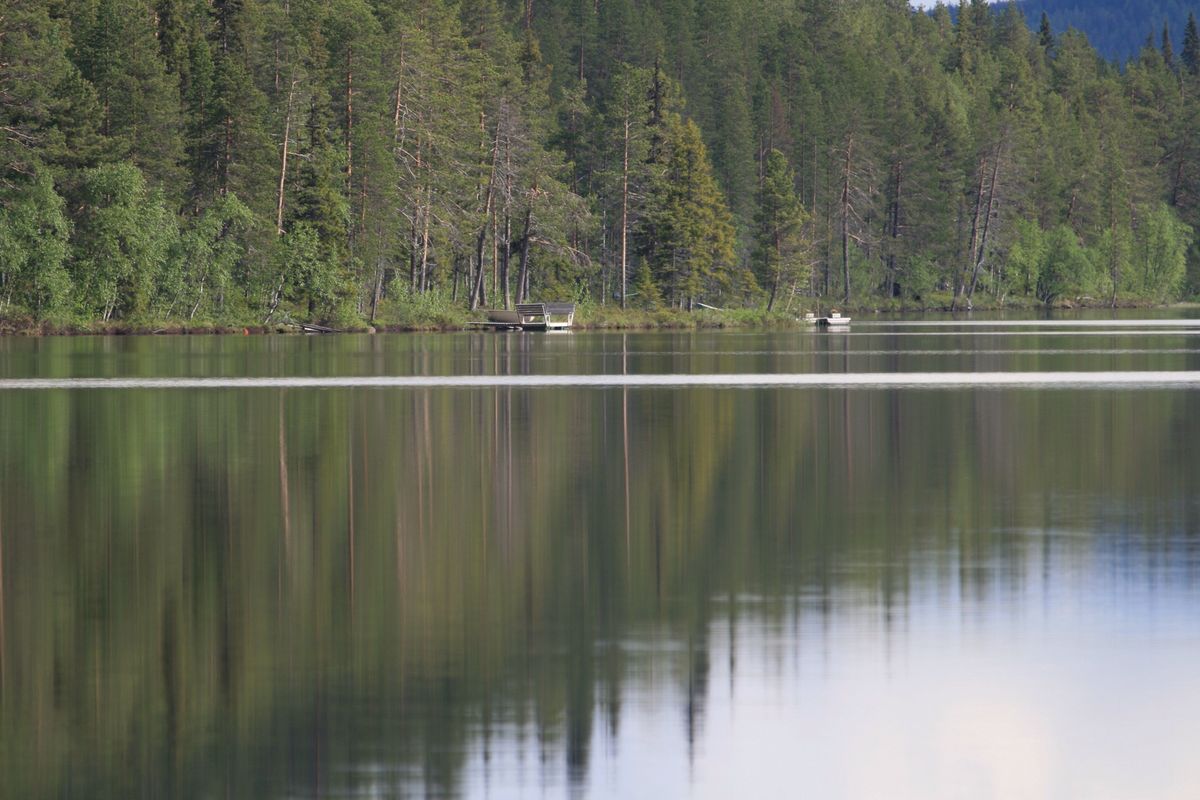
(377,293)
(287,133)
(349,116)
(960,283)
(624,212)
(846,219)
(506,254)
(894,222)
(425,241)
(412,250)
(477,297)
(987,224)
(227,156)
(778,276)
(523,275)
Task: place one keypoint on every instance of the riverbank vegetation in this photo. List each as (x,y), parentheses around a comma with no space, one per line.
(182,164)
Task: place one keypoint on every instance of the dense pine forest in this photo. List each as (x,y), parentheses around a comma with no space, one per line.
(391,161)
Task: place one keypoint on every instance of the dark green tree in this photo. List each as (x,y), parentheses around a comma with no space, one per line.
(139,98)
(780,252)
(692,250)
(1191,46)
(1046,34)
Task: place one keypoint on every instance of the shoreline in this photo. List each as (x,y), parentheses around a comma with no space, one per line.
(593,319)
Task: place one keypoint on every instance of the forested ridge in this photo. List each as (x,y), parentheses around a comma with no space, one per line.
(1117,28)
(380,160)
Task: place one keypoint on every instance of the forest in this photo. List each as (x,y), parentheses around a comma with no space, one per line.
(389,162)
(1117,28)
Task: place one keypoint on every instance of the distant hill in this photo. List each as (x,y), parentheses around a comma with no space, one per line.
(1116,28)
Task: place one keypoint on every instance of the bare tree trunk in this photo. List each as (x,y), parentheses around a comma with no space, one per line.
(477,293)
(987,223)
(478,297)
(412,250)
(625,212)
(226,156)
(506,254)
(960,283)
(523,275)
(349,116)
(495,253)
(397,130)
(846,218)
(778,276)
(1114,261)
(377,293)
(283,164)
(425,241)
(894,222)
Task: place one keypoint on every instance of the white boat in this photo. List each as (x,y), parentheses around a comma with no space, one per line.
(834,320)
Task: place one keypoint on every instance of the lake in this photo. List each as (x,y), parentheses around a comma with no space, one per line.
(516,565)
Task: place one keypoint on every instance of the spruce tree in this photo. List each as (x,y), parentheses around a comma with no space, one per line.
(693,255)
(139,98)
(1191,46)
(47,110)
(778,251)
(1168,49)
(1046,34)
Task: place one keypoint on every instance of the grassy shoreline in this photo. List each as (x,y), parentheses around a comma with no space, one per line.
(589,317)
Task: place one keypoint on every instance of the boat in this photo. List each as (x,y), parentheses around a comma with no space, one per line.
(834,320)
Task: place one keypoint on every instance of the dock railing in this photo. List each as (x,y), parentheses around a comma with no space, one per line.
(546,316)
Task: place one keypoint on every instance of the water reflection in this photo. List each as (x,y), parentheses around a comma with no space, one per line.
(613,592)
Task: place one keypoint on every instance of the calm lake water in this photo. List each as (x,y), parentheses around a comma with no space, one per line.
(607,591)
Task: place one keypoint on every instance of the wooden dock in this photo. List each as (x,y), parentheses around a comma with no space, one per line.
(834,320)
(531,317)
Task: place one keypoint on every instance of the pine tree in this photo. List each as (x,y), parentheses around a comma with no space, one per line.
(1191,46)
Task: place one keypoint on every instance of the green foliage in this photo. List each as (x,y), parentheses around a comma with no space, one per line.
(727,153)
(124,237)
(1066,272)
(139,100)
(645,292)
(33,248)
(780,250)
(1026,258)
(201,279)
(688,230)
(1160,253)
